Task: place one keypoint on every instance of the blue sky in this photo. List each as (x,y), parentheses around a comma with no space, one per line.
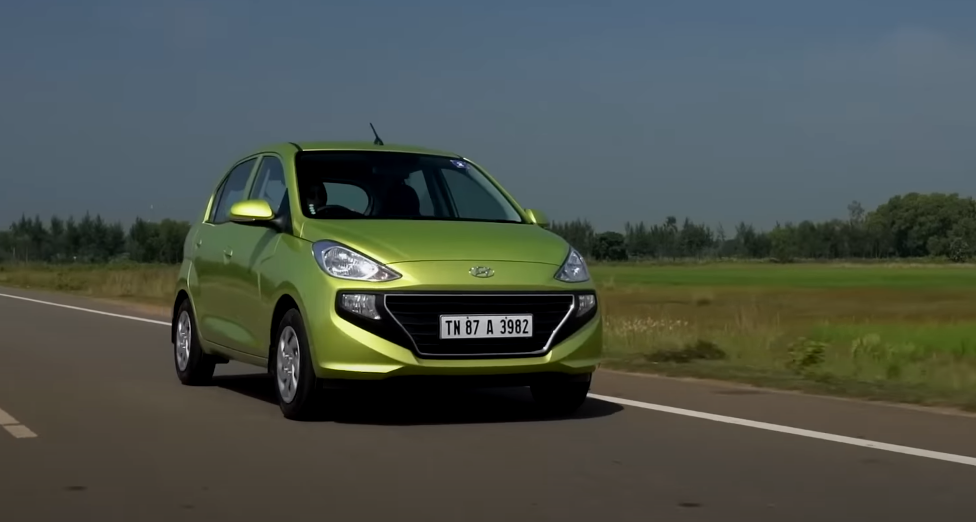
(616,110)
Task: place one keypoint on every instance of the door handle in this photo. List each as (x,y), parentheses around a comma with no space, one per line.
(199,242)
(228,252)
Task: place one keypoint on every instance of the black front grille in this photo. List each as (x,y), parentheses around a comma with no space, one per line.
(419,314)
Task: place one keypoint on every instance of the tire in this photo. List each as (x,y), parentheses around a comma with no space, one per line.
(560,399)
(193,366)
(298,392)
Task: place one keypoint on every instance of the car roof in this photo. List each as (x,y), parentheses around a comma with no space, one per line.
(353,146)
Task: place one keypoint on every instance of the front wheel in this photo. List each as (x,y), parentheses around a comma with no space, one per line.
(561,399)
(193,366)
(295,381)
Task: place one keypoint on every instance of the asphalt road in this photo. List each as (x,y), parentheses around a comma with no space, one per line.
(97,427)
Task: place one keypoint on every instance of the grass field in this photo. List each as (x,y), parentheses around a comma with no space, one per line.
(902,333)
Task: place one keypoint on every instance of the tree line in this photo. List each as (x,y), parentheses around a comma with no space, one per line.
(92,240)
(906,226)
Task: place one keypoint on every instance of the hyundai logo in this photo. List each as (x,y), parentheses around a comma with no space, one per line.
(481,271)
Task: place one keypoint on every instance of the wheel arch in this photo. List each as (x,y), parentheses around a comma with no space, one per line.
(285,301)
(181,296)
(186,276)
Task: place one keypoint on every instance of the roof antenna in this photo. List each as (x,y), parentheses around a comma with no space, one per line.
(377,141)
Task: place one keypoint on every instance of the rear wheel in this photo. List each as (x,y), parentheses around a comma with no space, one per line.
(295,381)
(561,399)
(193,366)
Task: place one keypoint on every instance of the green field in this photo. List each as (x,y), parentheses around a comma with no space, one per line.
(893,332)
(769,275)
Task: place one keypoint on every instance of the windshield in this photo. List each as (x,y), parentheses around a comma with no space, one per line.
(397,185)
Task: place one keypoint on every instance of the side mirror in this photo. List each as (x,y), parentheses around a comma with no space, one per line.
(536,217)
(251,211)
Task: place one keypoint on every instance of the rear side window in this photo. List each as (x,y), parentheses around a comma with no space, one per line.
(231,191)
(270,183)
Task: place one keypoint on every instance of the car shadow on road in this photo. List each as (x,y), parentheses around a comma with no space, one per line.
(418,407)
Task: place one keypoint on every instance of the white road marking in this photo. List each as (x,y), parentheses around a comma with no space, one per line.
(840,439)
(19,431)
(15,428)
(7,419)
(89,310)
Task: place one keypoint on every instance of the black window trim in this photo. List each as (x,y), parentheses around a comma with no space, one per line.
(216,198)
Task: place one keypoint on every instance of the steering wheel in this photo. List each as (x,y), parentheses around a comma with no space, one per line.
(336,211)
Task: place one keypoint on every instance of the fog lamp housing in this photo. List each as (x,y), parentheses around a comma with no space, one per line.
(363,305)
(585,303)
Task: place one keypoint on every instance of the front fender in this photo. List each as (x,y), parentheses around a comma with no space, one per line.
(291,272)
(185,286)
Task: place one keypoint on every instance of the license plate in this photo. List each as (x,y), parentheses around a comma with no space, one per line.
(485,326)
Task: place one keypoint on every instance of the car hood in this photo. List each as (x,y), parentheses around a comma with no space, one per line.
(396,241)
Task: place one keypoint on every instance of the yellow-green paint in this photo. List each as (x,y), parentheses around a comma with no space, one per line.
(537,217)
(236,272)
(251,210)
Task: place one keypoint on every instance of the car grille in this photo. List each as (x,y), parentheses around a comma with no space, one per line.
(419,315)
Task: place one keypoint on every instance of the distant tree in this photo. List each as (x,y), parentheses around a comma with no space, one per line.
(694,239)
(918,225)
(6,246)
(578,233)
(855,213)
(92,240)
(782,241)
(610,246)
(639,241)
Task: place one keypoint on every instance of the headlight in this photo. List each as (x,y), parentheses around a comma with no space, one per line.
(345,263)
(573,269)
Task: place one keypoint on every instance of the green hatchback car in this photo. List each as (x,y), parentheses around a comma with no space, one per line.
(348,264)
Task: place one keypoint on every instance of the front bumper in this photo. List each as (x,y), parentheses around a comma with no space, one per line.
(347,347)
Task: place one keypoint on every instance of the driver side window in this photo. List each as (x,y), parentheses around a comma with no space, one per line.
(231,191)
(270,183)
